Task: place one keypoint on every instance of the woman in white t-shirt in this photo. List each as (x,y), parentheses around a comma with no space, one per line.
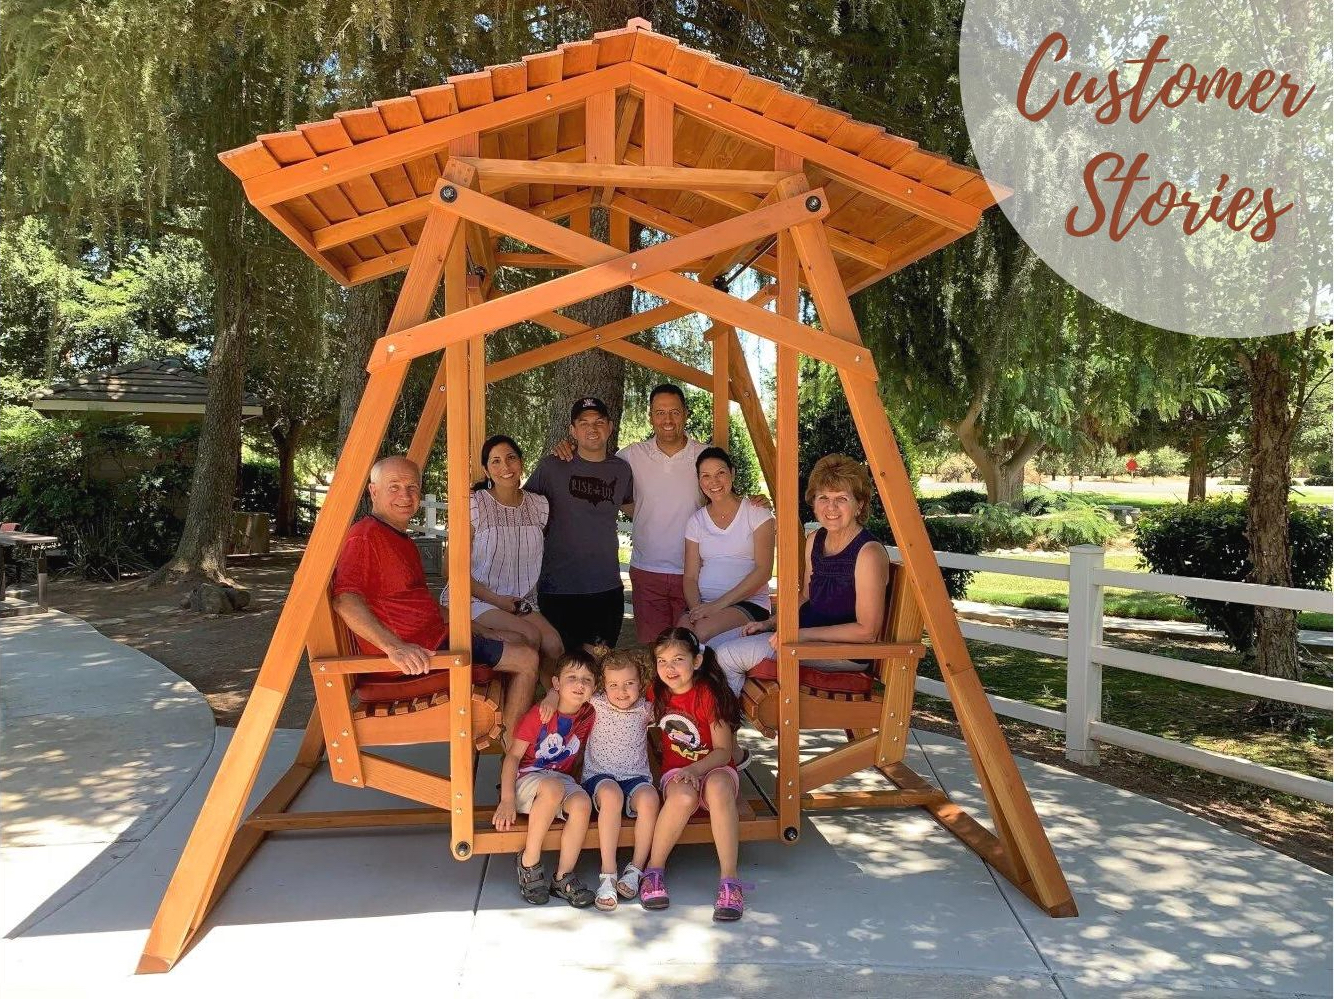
(508,535)
(729,554)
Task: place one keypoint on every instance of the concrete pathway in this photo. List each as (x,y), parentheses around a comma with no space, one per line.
(867,904)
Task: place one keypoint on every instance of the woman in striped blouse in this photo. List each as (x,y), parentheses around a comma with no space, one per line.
(508,526)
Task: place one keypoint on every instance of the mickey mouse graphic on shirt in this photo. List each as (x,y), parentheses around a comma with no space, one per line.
(557,745)
(683,734)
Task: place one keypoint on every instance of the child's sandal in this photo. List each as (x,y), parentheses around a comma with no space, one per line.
(628,884)
(532,882)
(606,897)
(572,890)
(653,890)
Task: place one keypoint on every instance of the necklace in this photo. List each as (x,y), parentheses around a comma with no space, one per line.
(723,519)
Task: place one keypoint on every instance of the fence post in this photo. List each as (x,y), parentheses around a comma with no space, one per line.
(430,509)
(1083,677)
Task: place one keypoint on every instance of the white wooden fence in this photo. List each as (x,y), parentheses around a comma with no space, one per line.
(1085,655)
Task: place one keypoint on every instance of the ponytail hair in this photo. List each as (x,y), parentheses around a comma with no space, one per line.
(709,673)
(488,446)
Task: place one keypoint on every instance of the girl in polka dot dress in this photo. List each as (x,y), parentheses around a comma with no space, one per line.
(616,772)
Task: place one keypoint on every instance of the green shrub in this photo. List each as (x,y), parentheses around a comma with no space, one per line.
(52,481)
(1209,540)
(1319,480)
(1076,525)
(958,501)
(1000,526)
(947,534)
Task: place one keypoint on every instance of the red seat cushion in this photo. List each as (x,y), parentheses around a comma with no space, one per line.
(832,682)
(375,687)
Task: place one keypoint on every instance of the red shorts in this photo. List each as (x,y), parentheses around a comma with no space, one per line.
(658,600)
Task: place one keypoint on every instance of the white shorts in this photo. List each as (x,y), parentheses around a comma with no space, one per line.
(527,786)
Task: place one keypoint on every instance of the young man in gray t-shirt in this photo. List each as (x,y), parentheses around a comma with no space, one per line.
(580,590)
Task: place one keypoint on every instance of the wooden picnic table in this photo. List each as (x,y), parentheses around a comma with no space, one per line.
(37,543)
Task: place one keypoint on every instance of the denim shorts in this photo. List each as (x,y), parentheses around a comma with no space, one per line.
(628,787)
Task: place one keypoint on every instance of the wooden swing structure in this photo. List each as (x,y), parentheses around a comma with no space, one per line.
(455,181)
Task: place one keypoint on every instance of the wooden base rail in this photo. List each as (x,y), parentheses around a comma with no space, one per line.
(353,665)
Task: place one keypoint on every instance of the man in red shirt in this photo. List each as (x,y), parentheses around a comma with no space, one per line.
(380,592)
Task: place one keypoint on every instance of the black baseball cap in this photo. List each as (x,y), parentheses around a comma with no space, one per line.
(586,403)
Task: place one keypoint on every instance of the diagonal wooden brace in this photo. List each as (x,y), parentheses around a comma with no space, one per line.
(613,269)
(852,358)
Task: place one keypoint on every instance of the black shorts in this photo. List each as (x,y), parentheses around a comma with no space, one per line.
(585,618)
(485,651)
(753,610)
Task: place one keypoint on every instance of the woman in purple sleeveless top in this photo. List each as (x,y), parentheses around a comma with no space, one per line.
(843,588)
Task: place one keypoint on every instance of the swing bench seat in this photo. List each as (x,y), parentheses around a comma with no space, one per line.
(406,712)
(828,698)
(872,707)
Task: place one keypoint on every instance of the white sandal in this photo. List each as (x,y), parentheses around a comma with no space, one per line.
(628,885)
(606,896)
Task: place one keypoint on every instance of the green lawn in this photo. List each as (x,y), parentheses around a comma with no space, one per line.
(1198,716)
(1053,594)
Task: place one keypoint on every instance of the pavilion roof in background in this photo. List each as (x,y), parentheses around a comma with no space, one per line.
(351,192)
(164,386)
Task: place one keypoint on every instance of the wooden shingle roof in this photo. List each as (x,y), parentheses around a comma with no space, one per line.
(163,386)
(352,192)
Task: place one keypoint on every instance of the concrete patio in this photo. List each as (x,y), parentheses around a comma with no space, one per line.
(106,756)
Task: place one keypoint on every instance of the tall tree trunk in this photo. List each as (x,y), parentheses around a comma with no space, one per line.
(1273,424)
(1199,469)
(368,309)
(593,372)
(1002,472)
(286,444)
(209,518)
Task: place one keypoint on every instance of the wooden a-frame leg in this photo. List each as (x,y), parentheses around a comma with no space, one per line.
(788,789)
(197,872)
(280,797)
(458,440)
(1011,807)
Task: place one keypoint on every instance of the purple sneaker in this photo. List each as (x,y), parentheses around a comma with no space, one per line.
(731,903)
(653,890)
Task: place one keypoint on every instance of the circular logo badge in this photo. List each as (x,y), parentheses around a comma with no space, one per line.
(1171,161)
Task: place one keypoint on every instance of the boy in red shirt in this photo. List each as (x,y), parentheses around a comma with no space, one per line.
(380,592)
(537,779)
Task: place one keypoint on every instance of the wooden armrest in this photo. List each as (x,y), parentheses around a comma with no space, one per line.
(381,664)
(851,650)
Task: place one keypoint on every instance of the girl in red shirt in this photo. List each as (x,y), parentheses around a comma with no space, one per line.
(697,714)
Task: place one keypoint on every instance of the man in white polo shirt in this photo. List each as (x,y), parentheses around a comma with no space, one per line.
(666,494)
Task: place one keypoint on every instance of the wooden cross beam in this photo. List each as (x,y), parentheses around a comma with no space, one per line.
(740,201)
(609,268)
(498,172)
(412,210)
(608,337)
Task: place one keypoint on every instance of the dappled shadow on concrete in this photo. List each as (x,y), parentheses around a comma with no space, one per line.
(1164,897)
